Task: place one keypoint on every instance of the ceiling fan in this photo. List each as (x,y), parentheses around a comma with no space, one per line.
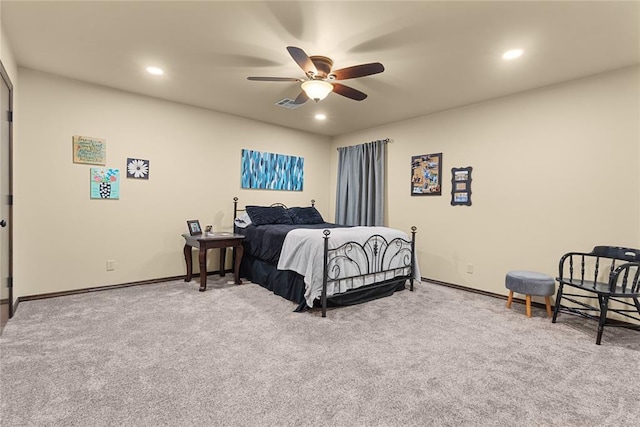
(320,79)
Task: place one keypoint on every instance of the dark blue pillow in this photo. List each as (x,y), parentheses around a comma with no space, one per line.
(263,215)
(308,215)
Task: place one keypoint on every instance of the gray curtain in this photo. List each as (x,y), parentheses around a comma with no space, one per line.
(360,192)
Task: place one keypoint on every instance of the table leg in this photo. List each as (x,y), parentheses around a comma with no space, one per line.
(223,255)
(203,269)
(189,261)
(237,257)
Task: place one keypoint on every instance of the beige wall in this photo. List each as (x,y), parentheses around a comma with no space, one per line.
(63,238)
(6,55)
(554,169)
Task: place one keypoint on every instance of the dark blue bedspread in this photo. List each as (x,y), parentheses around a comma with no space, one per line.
(265,241)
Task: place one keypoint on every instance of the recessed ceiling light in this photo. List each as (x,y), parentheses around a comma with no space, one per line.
(321,116)
(512,54)
(155,71)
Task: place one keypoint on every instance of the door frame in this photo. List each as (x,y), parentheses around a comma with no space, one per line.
(5,77)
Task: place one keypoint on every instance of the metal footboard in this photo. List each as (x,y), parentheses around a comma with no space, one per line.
(374,263)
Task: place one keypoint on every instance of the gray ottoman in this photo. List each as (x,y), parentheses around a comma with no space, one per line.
(530,283)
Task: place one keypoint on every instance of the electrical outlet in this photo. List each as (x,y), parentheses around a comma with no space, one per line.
(470,268)
(111,265)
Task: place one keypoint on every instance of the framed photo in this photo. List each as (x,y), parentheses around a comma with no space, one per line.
(461,186)
(461,197)
(194,227)
(426,173)
(461,174)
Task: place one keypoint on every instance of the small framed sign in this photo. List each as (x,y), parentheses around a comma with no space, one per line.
(194,227)
(89,150)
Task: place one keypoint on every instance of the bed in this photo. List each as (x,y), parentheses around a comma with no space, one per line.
(295,254)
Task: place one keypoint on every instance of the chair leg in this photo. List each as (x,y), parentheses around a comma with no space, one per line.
(528,299)
(604,305)
(556,307)
(510,299)
(547,301)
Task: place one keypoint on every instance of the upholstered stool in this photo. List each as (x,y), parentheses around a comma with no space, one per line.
(530,283)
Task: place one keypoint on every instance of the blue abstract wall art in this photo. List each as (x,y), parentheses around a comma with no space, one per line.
(271,171)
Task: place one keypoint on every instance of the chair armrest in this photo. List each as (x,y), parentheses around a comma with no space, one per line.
(626,277)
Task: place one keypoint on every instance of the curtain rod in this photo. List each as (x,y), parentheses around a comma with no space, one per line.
(386,141)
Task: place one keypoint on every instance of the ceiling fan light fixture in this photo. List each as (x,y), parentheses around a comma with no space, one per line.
(156,71)
(512,54)
(317,89)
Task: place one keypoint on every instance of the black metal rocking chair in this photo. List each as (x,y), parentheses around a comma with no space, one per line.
(608,274)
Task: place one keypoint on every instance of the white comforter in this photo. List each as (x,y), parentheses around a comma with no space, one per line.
(302,252)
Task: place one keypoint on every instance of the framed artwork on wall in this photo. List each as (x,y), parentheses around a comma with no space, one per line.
(461,186)
(271,171)
(426,171)
(105,183)
(89,150)
(137,168)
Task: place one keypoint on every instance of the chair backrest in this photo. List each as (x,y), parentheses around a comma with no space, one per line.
(617,252)
(615,265)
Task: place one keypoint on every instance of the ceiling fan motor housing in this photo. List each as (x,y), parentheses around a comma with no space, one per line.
(323,65)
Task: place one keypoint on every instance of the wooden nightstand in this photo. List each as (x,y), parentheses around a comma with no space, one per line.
(206,241)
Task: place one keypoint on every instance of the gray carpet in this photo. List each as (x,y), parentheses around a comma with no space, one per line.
(166,354)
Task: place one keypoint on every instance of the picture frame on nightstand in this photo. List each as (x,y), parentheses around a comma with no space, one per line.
(194,227)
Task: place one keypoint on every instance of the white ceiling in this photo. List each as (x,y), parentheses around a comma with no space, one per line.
(437,55)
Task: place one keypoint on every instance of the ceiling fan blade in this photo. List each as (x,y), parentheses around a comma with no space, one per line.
(349,92)
(358,71)
(302,59)
(274,79)
(301,99)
